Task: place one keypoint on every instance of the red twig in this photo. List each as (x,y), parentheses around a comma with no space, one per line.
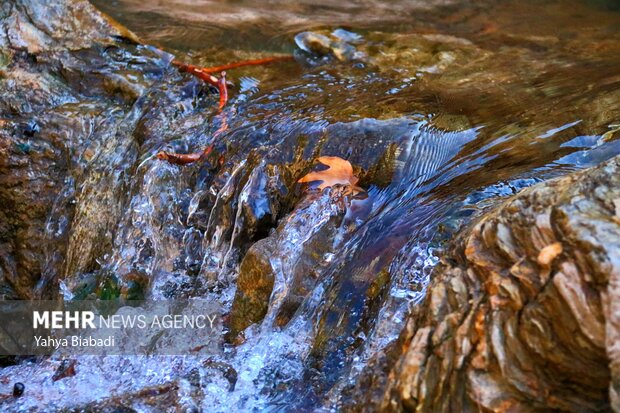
(206,75)
(255,62)
(221,87)
(223,126)
(183,158)
(197,71)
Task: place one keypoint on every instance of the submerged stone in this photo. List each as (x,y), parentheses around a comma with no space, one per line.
(18,389)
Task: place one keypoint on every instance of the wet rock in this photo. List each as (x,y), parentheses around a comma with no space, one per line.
(276,274)
(247,196)
(416,56)
(18,389)
(520,314)
(38,26)
(54,57)
(65,369)
(308,268)
(347,36)
(254,287)
(245,209)
(313,43)
(227,371)
(100,202)
(320,48)
(159,397)
(360,285)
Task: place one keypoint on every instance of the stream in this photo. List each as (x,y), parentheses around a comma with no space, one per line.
(443,108)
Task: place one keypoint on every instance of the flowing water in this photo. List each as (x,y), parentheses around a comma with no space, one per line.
(443,108)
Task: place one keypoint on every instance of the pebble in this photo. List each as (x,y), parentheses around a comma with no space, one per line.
(18,389)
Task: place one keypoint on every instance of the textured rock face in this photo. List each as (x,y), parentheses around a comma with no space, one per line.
(523,313)
(39,126)
(276,267)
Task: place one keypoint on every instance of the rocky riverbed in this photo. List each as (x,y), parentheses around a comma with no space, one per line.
(471,267)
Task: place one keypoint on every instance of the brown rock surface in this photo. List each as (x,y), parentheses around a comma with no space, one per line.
(56,65)
(281,281)
(522,314)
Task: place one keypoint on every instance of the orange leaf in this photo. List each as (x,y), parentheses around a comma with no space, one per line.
(339,172)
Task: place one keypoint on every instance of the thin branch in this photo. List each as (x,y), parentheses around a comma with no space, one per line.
(255,62)
(183,158)
(206,75)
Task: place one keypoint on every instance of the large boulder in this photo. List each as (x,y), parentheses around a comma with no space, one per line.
(523,313)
